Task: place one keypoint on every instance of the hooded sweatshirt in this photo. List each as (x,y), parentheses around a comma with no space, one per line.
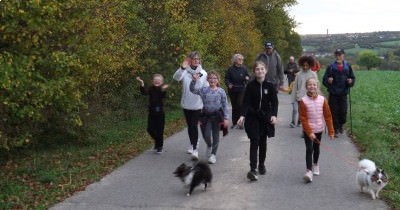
(189,100)
(299,87)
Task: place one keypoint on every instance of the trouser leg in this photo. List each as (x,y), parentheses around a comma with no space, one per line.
(192,119)
(262,153)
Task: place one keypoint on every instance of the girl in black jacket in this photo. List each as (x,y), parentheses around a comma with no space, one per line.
(259,111)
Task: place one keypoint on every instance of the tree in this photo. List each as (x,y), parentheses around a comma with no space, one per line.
(369,59)
(276,25)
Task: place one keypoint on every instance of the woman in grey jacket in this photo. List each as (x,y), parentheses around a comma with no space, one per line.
(191,103)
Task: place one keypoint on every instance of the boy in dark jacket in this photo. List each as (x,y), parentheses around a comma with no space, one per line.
(338,79)
(156,116)
(260,108)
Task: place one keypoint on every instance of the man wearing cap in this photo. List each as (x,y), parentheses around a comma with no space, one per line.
(338,79)
(272,60)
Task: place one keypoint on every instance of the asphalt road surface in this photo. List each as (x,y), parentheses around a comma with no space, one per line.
(147,182)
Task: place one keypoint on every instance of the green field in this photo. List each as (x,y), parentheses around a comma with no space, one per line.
(392,44)
(378,50)
(376,124)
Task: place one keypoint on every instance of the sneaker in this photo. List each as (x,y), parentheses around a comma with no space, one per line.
(159,151)
(336,135)
(212,159)
(292,125)
(252,175)
(299,124)
(195,155)
(341,130)
(308,176)
(262,170)
(315,170)
(190,150)
(209,150)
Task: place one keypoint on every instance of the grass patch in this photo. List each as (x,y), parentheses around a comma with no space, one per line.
(39,178)
(376,124)
(391,44)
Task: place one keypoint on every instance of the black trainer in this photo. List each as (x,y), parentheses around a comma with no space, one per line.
(341,130)
(336,135)
(252,175)
(262,170)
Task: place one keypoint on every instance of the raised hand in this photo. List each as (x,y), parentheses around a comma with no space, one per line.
(186,63)
(164,87)
(140,80)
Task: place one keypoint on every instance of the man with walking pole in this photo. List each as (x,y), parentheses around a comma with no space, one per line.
(338,79)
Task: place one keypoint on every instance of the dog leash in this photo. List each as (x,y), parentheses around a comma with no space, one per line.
(332,151)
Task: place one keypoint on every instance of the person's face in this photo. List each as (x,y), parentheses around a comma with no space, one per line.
(305,66)
(312,86)
(212,80)
(291,60)
(239,61)
(157,81)
(269,50)
(195,61)
(260,71)
(339,57)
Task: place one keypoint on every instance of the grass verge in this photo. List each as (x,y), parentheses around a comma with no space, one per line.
(39,178)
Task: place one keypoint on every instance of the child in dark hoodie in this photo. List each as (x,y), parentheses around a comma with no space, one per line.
(156,116)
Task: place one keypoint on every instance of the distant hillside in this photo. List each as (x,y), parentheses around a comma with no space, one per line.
(385,44)
(381,42)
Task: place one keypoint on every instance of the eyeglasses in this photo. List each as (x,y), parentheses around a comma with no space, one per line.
(195,58)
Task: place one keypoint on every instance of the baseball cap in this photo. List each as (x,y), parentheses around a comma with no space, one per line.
(339,51)
(268,44)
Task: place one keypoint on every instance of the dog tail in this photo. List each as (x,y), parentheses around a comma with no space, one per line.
(367,165)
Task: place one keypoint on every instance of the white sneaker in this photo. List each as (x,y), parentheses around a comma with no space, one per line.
(195,155)
(308,176)
(212,159)
(190,150)
(209,150)
(315,170)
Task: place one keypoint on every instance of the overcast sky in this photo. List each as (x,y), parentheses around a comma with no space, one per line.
(346,16)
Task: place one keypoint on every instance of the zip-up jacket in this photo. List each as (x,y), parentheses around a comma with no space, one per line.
(339,86)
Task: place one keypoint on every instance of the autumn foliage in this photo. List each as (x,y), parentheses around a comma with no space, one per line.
(59,58)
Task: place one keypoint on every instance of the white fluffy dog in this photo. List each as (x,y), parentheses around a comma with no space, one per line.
(371,177)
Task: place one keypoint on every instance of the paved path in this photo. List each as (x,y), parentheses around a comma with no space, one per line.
(147,182)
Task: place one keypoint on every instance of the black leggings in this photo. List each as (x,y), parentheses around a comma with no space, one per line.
(192,120)
(312,150)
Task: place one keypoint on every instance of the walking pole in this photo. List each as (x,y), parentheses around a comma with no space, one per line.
(351,119)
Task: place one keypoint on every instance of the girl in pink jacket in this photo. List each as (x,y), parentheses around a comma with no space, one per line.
(314,109)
